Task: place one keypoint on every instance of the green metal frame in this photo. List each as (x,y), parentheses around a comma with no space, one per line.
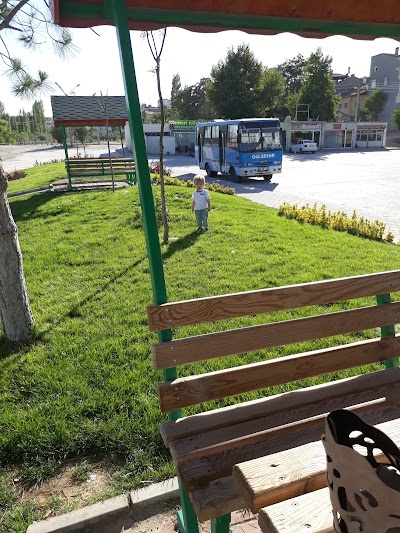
(387,331)
(65,144)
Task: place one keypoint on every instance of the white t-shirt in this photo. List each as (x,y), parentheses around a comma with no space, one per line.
(200,199)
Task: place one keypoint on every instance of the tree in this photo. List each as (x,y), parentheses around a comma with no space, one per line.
(318,88)
(235,86)
(273,92)
(156,51)
(33,26)
(396,119)
(175,89)
(57,134)
(292,71)
(15,312)
(38,118)
(374,104)
(6,135)
(193,103)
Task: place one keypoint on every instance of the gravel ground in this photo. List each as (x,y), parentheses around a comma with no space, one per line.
(18,157)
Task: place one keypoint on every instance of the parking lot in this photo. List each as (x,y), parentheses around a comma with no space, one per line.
(368,182)
(365,181)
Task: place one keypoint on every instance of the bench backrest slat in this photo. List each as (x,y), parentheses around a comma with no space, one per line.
(224,343)
(192,390)
(280,408)
(172,315)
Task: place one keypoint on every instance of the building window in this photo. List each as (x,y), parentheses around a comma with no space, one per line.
(375,69)
(385,81)
(369,135)
(373,84)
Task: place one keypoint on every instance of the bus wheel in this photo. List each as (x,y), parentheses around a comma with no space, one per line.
(234,176)
(210,173)
(268,177)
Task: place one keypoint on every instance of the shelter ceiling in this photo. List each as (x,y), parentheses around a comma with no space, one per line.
(315,18)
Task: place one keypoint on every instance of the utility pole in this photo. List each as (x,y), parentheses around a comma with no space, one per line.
(357,110)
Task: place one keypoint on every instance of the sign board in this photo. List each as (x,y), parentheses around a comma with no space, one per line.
(184,125)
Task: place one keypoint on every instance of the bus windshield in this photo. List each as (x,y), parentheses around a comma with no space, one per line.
(254,137)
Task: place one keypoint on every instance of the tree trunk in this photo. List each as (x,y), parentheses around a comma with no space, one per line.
(15,312)
(162,184)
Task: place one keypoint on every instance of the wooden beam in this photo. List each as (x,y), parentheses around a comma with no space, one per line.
(184,313)
(201,470)
(282,408)
(311,512)
(242,340)
(197,389)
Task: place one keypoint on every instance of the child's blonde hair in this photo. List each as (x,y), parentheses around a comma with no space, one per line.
(198,178)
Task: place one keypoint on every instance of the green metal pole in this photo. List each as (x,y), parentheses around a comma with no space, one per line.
(122,140)
(148,211)
(387,331)
(142,169)
(64,138)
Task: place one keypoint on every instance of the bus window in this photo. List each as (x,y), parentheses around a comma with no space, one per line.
(233,134)
(214,134)
(207,136)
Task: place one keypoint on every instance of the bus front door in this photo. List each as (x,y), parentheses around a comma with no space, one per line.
(200,146)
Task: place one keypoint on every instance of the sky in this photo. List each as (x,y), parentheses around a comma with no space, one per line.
(96,65)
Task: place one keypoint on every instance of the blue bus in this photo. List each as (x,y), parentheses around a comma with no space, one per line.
(241,148)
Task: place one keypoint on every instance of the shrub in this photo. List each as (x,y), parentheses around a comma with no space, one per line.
(15,175)
(338,221)
(155,169)
(217,187)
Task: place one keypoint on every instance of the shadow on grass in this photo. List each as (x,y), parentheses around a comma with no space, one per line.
(75,309)
(181,244)
(25,208)
(8,348)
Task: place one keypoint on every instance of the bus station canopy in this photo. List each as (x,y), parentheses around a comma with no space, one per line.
(72,111)
(364,19)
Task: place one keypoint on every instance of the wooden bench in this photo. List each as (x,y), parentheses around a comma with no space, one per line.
(207,445)
(99,167)
(284,486)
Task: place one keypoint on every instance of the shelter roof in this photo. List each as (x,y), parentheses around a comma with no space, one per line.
(315,18)
(87,110)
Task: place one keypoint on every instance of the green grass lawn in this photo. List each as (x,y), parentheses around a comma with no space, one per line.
(86,387)
(39,176)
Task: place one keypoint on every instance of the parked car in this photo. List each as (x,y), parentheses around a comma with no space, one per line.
(303,145)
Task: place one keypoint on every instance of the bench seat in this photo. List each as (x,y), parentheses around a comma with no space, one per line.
(293,472)
(310,513)
(206,447)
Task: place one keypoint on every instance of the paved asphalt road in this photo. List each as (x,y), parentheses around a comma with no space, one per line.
(368,181)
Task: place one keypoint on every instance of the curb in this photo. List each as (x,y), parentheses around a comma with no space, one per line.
(112,508)
(29,191)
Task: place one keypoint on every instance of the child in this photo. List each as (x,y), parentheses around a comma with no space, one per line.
(201,204)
